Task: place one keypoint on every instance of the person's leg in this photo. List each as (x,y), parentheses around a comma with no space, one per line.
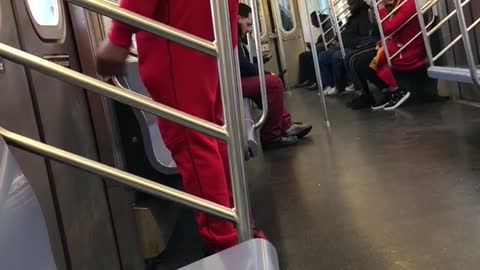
(339,72)
(273,127)
(305,66)
(170,80)
(325,62)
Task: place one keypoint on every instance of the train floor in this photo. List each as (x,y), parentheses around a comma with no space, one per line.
(379,190)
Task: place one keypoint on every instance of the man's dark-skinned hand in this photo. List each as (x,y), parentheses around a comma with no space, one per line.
(111,58)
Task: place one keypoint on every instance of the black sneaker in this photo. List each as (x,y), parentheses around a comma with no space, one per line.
(387,96)
(361,102)
(303,84)
(398,98)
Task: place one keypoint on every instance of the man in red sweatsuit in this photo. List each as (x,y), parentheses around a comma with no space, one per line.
(186,80)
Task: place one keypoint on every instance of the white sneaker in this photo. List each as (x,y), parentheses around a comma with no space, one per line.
(330,91)
(350,88)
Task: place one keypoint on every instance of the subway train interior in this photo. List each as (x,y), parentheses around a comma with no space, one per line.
(388,177)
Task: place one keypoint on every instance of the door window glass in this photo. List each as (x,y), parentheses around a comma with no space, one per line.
(45,12)
(287,15)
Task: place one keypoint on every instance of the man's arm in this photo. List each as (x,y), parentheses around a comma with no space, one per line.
(114,50)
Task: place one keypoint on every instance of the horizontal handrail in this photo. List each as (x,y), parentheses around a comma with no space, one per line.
(126,178)
(412,39)
(457,39)
(113,92)
(424,10)
(448,17)
(394,10)
(341,6)
(149,25)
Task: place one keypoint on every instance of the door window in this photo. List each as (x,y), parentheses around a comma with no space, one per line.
(287,15)
(44,12)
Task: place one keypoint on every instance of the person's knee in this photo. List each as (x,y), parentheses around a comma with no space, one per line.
(274,83)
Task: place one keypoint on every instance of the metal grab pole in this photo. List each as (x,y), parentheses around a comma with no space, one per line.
(317,72)
(108,90)
(334,21)
(147,24)
(261,69)
(423,28)
(380,29)
(115,174)
(283,58)
(231,99)
(466,42)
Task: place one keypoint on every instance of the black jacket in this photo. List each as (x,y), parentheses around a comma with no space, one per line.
(357,27)
(247,68)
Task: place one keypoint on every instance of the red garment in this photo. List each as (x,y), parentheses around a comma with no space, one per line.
(278,118)
(186,80)
(413,56)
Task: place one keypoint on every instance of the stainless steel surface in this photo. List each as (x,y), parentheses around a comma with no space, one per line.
(261,69)
(334,20)
(232,101)
(111,91)
(149,25)
(423,29)
(457,39)
(281,47)
(380,30)
(393,10)
(128,179)
(256,254)
(467,43)
(318,75)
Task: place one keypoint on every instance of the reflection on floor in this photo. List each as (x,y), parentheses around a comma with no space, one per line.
(380,190)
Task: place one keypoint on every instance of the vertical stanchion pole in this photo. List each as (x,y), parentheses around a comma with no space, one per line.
(466,42)
(261,69)
(380,29)
(317,72)
(336,27)
(281,49)
(231,99)
(426,39)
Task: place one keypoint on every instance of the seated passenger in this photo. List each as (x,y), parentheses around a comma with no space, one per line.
(306,76)
(373,66)
(278,129)
(331,61)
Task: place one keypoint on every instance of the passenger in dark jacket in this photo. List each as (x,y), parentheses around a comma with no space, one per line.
(306,76)
(331,61)
(279,129)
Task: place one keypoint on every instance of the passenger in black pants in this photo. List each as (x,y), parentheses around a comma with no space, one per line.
(306,76)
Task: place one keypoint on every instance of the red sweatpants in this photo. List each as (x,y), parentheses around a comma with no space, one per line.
(187,80)
(278,118)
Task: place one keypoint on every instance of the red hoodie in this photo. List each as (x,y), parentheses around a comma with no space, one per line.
(413,56)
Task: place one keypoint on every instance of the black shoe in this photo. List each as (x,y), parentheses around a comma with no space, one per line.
(282,141)
(380,105)
(313,86)
(303,84)
(361,102)
(299,130)
(398,98)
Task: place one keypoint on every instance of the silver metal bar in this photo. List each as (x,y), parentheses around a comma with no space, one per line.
(238,80)
(111,91)
(382,34)
(281,47)
(314,42)
(126,178)
(428,5)
(342,12)
(336,27)
(329,29)
(334,5)
(412,39)
(393,11)
(467,43)
(423,30)
(232,100)
(317,73)
(457,39)
(149,25)
(261,69)
(444,20)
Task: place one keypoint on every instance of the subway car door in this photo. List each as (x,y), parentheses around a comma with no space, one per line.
(18,115)
(290,29)
(64,120)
